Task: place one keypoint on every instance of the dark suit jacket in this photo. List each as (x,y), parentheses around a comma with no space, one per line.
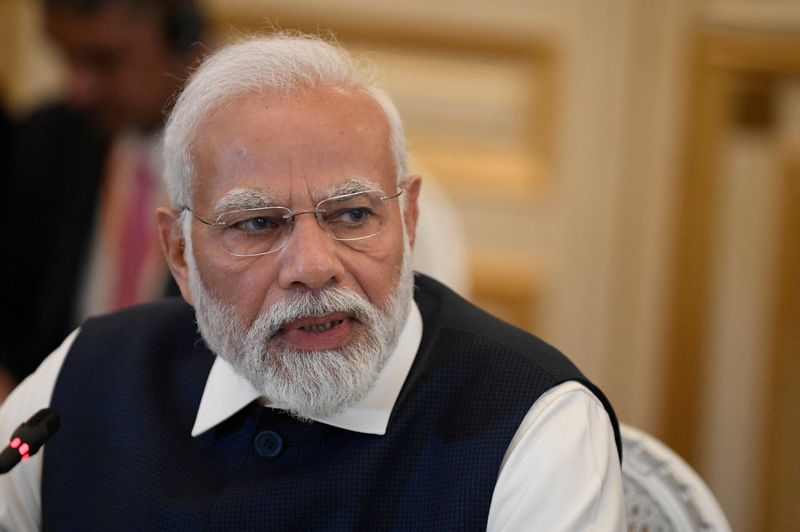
(54,170)
(52,177)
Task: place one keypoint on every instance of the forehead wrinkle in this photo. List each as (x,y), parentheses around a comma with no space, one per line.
(245,198)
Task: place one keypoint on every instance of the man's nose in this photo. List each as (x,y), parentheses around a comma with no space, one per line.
(309,258)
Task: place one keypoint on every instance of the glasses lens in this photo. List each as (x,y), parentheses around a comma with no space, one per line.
(253,231)
(354,216)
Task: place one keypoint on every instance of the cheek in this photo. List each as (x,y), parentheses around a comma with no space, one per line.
(243,283)
(377,273)
(247,290)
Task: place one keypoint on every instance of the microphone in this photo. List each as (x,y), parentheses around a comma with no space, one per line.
(29,438)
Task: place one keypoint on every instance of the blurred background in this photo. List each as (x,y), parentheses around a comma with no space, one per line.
(620,177)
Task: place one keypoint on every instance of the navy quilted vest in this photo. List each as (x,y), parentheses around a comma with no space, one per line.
(129,391)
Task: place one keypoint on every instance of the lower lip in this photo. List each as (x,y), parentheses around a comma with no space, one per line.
(337,336)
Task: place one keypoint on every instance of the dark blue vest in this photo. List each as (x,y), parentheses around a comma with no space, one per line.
(131,385)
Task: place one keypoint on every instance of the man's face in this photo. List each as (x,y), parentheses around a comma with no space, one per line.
(120,69)
(294,151)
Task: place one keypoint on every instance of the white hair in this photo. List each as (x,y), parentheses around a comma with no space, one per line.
(282,63)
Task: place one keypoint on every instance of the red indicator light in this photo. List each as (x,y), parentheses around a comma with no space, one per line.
(14,443)
(24,448)
(25,457)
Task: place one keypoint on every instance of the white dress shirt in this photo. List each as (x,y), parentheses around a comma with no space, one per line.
(560,471)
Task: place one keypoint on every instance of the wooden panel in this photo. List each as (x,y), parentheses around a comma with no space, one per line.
(735,73)
(781,511)
(752,51)
(504,286)
(690,299)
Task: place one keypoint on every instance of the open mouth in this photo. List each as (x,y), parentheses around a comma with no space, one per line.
(322,327)
(328,331)
(317,324)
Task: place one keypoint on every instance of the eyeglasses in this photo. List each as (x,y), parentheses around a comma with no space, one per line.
(348,217)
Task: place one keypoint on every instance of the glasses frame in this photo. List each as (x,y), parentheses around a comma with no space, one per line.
(289,217)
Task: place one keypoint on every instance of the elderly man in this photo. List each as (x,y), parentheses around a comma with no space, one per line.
(328,388)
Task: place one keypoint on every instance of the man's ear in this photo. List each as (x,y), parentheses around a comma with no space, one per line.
(173,245)
(411,212)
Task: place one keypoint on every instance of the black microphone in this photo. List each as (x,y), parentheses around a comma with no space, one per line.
(29,438)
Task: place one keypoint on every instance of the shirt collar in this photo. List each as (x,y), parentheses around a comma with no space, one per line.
(226,392)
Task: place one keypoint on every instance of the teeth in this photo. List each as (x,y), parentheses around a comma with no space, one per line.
(322,327)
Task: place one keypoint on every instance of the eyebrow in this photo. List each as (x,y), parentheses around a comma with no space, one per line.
(240,199)
(245,198)
(352,186)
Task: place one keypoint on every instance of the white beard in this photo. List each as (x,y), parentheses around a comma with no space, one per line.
(307,384)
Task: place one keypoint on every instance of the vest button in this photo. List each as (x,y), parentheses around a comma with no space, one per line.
(268,444)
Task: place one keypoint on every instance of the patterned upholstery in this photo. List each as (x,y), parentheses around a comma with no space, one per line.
(662,493)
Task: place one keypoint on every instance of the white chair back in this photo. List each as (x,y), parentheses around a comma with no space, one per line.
(662,493)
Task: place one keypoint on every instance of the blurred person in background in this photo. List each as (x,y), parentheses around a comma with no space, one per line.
(83,174)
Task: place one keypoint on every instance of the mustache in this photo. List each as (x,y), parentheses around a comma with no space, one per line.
(306,304)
